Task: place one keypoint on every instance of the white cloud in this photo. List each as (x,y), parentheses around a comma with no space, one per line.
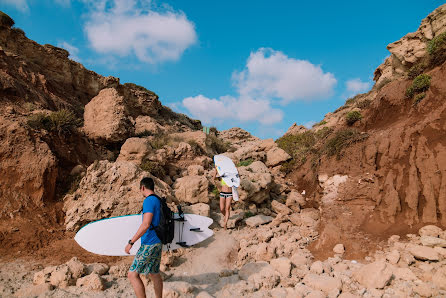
(272,74)
(119,27)
(228,108)
(310,124)
(357,86)
(21,5)
(74,51)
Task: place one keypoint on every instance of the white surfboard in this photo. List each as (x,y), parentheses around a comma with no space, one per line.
(109,236)
(227,170)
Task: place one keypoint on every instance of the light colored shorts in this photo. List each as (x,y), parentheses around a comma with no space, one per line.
(147,259)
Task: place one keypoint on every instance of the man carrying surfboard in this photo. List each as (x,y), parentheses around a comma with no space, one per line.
(148,257)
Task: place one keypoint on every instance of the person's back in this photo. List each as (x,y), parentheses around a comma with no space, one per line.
(153,205)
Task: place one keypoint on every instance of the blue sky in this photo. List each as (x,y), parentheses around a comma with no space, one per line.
(259,65)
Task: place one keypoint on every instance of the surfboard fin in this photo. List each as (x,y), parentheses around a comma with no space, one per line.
(183,244)
(195,230)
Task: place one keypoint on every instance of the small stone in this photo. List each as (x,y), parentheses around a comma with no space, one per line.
(258,220)
(432,241)
(317,267)
(375,275)
(77,268)
(393,257)
(323,283)
(91,282)
(282,265)
(98,268)
(339,249)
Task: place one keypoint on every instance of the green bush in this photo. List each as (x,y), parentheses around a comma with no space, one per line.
(60,121)
(217,144)
(214,191)
(6,20)
(420,84)
(39,121)
(64,121)
(418,98)
(416,70)
(323,133)
(159,141)
(437,49)
(249,214)
(342,139)
(153,168)
(245,163)
(298,146)
(352,117)
(364,104)
(288,166)
(195,146)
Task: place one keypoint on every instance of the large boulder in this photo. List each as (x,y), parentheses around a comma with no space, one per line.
(199,209)
(423,253)
(134,150)
(192,189)
(148,126)
(256,183)
(106,117)
(108,189)
(376,275)
(258,220)
(276,156)
(431,231)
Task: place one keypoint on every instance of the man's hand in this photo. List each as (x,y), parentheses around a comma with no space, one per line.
(127,248)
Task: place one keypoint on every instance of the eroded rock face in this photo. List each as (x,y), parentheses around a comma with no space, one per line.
(107,117)
(108,189)
(134,150)
(411,48)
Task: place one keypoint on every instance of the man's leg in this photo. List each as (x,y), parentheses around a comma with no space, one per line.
(227,210)
(137,284)
(157,284)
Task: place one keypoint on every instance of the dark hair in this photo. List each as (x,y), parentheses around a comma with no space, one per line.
(148,183)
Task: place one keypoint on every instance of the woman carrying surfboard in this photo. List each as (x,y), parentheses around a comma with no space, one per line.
(230,179)
(225,198)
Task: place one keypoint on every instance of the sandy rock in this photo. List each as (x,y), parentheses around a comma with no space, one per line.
(317,267)
(432,241)
(41,277)
(300,258)
(441,251)
(147,125)
(265,252)
(77,268)
(276,156)
(404,274)
(280,208)
(308,217)
(106,117)
(195,170)
(204,294)
(261,274)
(393,257)
(339,249)
(134,150)
(34,291)
(439,278)
(181,287)
(62,277)
(119,270)
(98,268)
(423,253)
(295,129)
(295,201)
(192,189)
(92,282)
(256,183)
(282,265)
(199,209)
(323,283)
(258,220)
(424,289)
(108,189)
(348,295)
(375,275)
(430,230)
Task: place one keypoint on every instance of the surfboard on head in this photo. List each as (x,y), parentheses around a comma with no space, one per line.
(227,170)
(109,236)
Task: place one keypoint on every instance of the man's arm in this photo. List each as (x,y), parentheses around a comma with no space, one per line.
(145,225)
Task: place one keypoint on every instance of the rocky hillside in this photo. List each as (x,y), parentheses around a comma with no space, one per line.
(377,165)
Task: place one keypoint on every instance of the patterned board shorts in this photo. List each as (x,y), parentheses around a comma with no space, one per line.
(147,259)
